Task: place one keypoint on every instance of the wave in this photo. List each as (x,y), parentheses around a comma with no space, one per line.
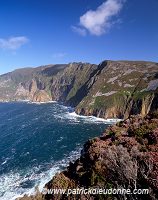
(11,183)
(15,183)
(72,116)
(41,102)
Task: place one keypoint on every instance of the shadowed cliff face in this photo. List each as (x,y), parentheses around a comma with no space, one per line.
(74,83)
(112,89)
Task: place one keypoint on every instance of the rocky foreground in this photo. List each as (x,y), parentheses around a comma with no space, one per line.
(124,156)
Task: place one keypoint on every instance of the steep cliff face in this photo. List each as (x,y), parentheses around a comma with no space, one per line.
(122,88)
(73,83)
(9,83)
(112,89)
(28,83)
(34,91)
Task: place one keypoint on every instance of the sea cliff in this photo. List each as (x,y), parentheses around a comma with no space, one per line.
(125,155)
(112,89)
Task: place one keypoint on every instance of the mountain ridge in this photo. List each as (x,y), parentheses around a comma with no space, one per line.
(112,89)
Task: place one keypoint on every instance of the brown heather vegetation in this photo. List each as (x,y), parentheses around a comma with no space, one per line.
(125,156)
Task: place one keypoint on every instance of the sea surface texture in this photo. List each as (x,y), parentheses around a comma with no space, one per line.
(36,141)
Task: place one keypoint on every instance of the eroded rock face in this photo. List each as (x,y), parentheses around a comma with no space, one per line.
(73,83)
(146,104)
(112,89)
(28,83)
(33,91)
(41,96)
(121,89)
(22,91)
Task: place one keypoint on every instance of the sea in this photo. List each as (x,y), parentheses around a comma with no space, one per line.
(39,140)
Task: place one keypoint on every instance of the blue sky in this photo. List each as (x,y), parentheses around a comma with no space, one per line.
(38,32)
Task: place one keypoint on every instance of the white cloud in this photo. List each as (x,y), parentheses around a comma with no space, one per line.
(99,21)
(79,30)
(59,55)
(13,43)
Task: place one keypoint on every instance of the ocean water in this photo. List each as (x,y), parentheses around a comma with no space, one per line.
(38,140)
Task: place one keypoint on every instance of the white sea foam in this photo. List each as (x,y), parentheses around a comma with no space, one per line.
(23,100)
(72,116)
(4,162)
(11,183)
(41,102)
(60,139)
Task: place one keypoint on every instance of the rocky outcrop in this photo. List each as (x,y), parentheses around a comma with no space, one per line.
(35,91)
(41,96)
(32,91)
(146,104)
(124,156)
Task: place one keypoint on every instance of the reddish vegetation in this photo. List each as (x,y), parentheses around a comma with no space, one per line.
(125,156)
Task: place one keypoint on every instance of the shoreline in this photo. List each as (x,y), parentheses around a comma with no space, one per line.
(68,115)
(73,113)
(110,145)
(108,120)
